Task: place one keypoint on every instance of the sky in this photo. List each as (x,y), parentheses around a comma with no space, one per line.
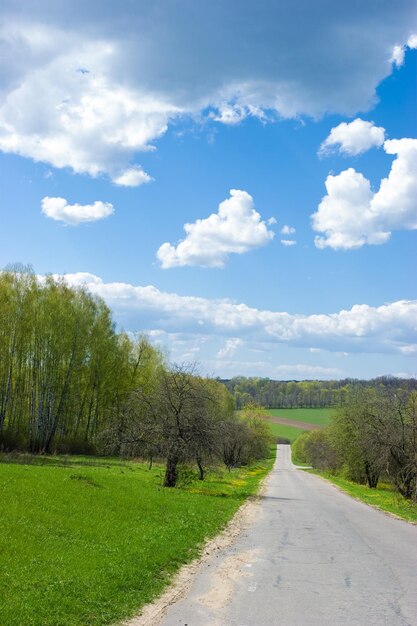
(237,180)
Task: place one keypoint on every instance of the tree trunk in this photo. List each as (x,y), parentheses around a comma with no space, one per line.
(372,476)
(171,471)
(201,471)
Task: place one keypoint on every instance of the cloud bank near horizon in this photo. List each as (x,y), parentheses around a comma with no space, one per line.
(389,328)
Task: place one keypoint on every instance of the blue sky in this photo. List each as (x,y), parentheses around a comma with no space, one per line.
(120,124)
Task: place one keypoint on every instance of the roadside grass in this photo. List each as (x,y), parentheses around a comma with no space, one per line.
(312,416)
(86,541)
(384,497)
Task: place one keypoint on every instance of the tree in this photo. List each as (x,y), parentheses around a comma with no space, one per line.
(259,441)
(179,415)
(356,436)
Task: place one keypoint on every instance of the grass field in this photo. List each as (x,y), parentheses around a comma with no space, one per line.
(87,541)
(287,432)
(312,416)
(384,497)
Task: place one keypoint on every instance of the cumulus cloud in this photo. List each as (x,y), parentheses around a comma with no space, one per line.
(88,86)
(398,52)
(287,230)
(388,328)
(69,116)
(132,177)
(236,228)
(352,215)
(288,242)
(353,138)
(73,214)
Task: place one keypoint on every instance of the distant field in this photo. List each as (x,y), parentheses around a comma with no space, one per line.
(288,432)
(87,541)
(306,417)
(312,416)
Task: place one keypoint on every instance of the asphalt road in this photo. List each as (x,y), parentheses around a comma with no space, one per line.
(312,557)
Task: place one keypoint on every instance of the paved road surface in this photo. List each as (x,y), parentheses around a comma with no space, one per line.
(313,557)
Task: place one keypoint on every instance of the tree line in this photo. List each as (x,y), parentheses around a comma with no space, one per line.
(69,383)
(307,393)
(372,436)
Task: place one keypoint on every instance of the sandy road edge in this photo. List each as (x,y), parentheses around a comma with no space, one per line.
(152,614)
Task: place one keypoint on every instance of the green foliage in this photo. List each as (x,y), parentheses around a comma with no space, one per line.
(306,393)
(298,449)
(64,372)
(88,541)
(353,435)
(373,435)
(259,435)
(316,449)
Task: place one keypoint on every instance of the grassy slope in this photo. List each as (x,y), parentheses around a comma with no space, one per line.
(312,416)
(86,541)
(384,497)
(288,432)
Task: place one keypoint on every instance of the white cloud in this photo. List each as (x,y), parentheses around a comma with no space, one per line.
(288,242)
(299,371)
(236,228)
(234,113)
(353,138)
(87,120)
(74,214)
(398,52)
(387,328)
(229,348)
(352,215)
(87,86)
(132,177)
(287,230)
(398,55)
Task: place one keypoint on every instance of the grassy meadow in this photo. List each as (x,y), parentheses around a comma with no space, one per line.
(88,541)
(286,432)
(321,417)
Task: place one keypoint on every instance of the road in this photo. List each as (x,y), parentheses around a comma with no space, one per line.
(312,557)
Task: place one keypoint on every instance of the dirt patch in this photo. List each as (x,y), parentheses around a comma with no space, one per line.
(152,614)
(225,577)
(284,421)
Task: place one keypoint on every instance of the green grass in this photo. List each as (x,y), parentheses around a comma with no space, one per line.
(287,432)
(384,497)
(312,416)
(87,541)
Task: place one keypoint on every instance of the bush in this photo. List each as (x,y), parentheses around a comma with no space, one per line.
(74,445)
(318,450)
(11,441)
